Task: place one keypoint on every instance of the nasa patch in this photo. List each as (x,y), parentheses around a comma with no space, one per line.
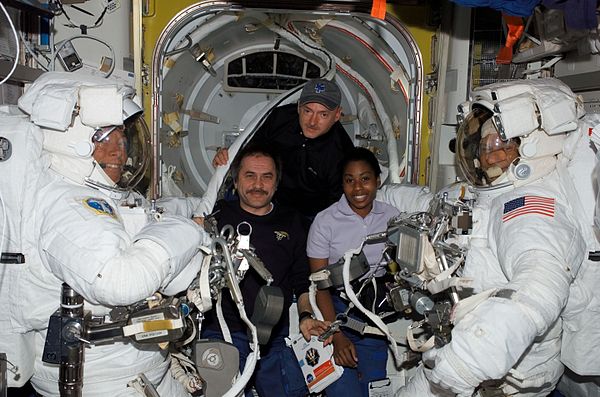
(99,207)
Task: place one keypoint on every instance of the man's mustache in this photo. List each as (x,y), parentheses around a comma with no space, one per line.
(258,191)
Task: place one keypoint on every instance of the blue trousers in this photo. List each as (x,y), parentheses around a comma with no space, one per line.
(277,373)
(372,355)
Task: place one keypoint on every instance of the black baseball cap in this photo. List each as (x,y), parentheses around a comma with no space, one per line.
(322,91)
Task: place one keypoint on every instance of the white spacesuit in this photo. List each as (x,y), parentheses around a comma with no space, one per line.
(525,250)
(597,211)
(77,229)
(582,378)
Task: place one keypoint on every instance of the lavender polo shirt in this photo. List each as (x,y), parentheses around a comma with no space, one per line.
(338,229)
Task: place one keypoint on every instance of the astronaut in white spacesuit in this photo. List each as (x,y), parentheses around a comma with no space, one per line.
(77,230)
(525,250)
(582,377)
(597,211)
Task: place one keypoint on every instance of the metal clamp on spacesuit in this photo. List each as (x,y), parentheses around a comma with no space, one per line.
(230,257)
(420,244)
(154,320)
(160,320)
(334,276)
(331,276)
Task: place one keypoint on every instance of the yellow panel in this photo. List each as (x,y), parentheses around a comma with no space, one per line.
(157,14)
(415,18)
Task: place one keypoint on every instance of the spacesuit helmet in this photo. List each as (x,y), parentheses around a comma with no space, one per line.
(80,116)
(121,151)
(483,156)
(511,132)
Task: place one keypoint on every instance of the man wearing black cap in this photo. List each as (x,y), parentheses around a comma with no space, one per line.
(311,142)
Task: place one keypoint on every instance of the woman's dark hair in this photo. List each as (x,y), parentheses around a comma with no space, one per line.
(361,154)
(255,150)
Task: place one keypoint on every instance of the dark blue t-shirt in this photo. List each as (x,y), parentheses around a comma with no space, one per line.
(279,239)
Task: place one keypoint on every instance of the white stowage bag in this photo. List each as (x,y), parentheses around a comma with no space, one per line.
(169,187)
(20,166)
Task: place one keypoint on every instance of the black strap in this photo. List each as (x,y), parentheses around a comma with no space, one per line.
(303,315)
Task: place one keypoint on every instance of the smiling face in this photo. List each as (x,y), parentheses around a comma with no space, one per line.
(316,119)
(496,155)
(360,186)
(111,152)
(256,183)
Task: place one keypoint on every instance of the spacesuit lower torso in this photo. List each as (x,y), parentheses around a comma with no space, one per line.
(71,232)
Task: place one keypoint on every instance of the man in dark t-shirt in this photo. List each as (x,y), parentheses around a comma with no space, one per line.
(279,238)
(311,143)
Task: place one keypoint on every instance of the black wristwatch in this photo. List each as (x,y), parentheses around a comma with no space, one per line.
(304,315)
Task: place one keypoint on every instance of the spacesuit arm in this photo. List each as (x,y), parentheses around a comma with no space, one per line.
(489,341)
(406,198)
(184,278)
(184,206)
(97,258)
(492,338)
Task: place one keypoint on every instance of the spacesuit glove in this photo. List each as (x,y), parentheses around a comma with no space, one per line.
(182,281)
(184,206)
(420,386)
(202,208)
(178,236)
(449,372)
(405,197)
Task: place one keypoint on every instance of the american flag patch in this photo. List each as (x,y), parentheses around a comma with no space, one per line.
(528,205)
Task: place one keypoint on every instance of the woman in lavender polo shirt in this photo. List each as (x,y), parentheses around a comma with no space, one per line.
(335,230)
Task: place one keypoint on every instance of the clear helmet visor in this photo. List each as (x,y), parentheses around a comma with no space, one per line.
(482,156)
(123,152)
